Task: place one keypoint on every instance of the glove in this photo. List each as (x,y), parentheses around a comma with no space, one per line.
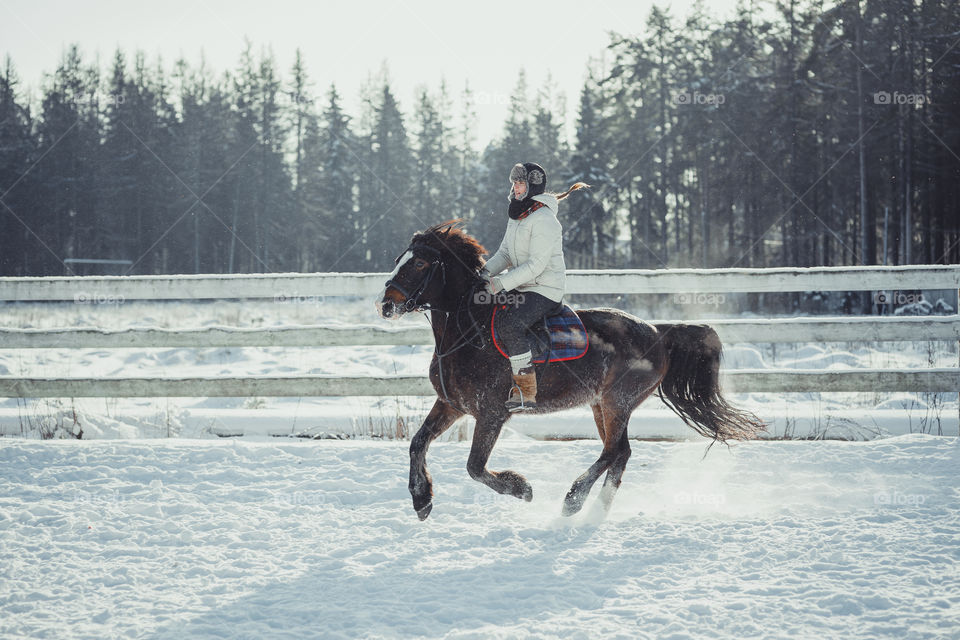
(493,285)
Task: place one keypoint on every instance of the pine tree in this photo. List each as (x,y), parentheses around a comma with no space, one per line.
(432,201)
(589,227)
(18,188)
(69,134)
(334,153)
(465,172)
(550,150)
(201,142)
(387,185)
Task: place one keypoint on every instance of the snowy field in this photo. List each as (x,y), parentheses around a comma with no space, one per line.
(317,539)
(189,535)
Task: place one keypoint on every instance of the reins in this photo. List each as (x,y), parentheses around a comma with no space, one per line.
(466,338)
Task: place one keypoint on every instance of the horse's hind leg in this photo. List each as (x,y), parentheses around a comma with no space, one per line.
(598,418)
(484,437)
(615,425)
(615,473)
(582,485)
(616,452)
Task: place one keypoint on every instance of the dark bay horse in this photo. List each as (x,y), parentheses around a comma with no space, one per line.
(628,359)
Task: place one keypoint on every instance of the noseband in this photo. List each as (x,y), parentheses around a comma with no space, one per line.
(412,302)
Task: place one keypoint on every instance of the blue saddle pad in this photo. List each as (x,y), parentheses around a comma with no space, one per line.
(566,334)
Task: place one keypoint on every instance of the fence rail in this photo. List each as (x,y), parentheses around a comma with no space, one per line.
(776,330)
(624,281)
(736,381)
(289,286)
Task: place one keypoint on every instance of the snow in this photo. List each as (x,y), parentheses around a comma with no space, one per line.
(190,535)
(288,538)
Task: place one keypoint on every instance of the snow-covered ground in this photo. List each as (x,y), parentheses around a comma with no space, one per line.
(852,416)
(317,539)
(193,536)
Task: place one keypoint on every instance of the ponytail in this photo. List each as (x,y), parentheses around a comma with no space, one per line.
(576,187)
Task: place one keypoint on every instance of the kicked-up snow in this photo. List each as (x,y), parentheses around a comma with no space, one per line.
(317,539)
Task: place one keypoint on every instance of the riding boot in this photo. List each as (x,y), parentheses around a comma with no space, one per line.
(523,394)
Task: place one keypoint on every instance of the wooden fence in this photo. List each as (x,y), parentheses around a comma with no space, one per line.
(686,284)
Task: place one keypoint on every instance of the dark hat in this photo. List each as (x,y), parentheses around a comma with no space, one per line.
(531,173)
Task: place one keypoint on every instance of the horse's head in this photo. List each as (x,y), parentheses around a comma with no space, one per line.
(434,272)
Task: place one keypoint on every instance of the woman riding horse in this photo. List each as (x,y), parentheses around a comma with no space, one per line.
(532,249)
(627,361)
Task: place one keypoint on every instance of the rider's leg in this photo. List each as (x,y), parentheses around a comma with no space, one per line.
(513,322)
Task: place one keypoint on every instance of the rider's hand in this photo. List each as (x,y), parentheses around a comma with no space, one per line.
(493,285)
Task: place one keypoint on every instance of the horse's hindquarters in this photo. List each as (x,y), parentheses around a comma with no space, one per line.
(623,365)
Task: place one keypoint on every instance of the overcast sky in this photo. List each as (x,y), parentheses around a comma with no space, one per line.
(421,41)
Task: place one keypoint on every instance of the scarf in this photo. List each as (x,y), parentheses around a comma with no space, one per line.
(519,209)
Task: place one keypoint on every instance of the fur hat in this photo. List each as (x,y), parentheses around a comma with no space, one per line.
(531,173)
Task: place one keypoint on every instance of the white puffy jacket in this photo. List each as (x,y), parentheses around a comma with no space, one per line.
(532,249)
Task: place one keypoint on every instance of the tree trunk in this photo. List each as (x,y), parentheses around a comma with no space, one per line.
(866,228)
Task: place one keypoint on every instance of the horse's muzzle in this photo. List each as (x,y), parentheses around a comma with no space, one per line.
(387,308)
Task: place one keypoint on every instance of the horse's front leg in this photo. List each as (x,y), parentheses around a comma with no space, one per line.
(441,416)
(484,437)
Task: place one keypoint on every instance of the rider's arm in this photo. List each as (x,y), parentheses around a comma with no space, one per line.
(498,261)
(545,237)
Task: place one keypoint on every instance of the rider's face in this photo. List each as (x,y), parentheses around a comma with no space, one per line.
(519,189)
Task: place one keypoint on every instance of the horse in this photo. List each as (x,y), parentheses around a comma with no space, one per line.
(627,360)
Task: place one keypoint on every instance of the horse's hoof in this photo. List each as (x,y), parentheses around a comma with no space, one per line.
(424,511)
(572,505)
(516,485)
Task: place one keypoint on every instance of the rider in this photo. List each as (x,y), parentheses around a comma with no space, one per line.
(532,248)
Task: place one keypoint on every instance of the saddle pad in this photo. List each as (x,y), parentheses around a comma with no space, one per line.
(568,336)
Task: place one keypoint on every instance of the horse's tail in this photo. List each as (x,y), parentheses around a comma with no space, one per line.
(691,386)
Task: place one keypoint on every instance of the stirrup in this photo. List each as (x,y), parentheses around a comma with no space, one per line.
(515,405)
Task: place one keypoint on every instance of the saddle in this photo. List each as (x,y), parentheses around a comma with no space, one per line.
(558,336)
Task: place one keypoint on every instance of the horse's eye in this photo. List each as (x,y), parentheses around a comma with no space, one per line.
(420,263)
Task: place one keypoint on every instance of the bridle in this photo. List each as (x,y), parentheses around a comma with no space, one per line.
(412,298)
(472,337)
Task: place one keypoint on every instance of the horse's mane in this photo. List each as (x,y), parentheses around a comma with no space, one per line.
(450,237)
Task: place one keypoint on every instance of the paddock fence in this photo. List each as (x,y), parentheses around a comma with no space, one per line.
(318,287)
